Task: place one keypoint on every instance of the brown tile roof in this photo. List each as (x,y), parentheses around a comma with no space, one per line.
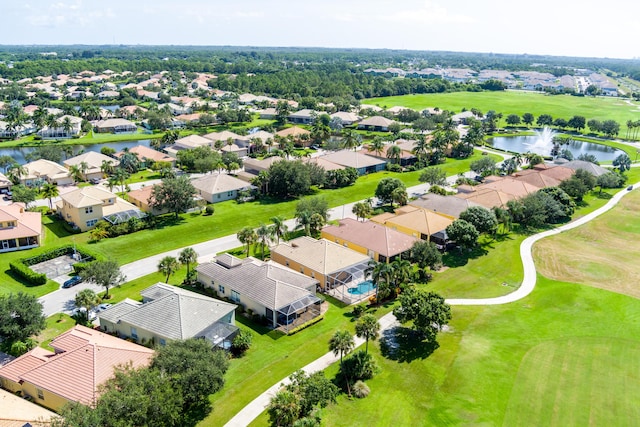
(378,121)
(445,205)
(321,255)
(372,236)
(487,198)
(412,217)
(293,131)
(25,363)
(143,152)
(353,159)
(76,373)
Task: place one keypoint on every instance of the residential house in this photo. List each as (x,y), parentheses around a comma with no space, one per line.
(347,118)
(376,123)
(225,137)
(268,113)
(462,118)
(187,143)
(283,296)
(449,206)
(372,239)
(108,94)
(355,159)
(255,166)
(592,168)
(86,206)
(42,170)
(82,361)
(217,187)
(115,126)
(5,183)
(296,133)
(331,264)
(170,313)
(303,117)
(177,110)
(19,229)
(59,131)
(487,197)
(7,131)
(19,412)
(142,199)
(417,222)
(93,162)
(543,175)
(406,156)
(148,156)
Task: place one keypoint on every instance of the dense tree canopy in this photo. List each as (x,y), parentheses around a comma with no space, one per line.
(20,316)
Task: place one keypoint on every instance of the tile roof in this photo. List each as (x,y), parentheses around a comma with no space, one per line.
(372,236)
(592,168)
(322,255)
(219,183)
(378,121)
(44,167)
(270,284)
(192,141)
(222,136)
(173,312)
(87,362)
(487,198)
(422,220)
(91,158)
(446,205)
(293,131)
(25,363)
(29,224)
(143,152)
(353,159)
(87,196)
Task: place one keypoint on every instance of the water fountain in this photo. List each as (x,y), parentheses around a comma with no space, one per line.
(544,142)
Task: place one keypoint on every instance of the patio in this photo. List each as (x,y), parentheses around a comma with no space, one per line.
(302,315)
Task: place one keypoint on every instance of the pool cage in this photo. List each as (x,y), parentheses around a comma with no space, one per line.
(298,312)
(339,282)
(124,216)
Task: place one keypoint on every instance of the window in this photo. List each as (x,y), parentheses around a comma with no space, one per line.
(229,193)
(163,342)
(88,210)
(313,275)
(221,289)
(235,296)
(302,270)
(134,333)
(286,263)
(91,222)
(40,394)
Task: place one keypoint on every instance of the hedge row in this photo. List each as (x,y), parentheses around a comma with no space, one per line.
(19,269)
(21,266)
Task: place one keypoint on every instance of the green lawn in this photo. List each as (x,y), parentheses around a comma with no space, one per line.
(513,102)
(56,325)
(193,228)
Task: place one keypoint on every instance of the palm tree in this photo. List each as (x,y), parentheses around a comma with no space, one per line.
(279,228)
(107,168)
(381,274)
(84,167)
(168,265)
(367,327)
(401,272)
(39,117)
(120,176)
(399,196)
(6,161)
(187,257)
(67,126)
(304,222)
(315,224)
(394,152)
(247,236)
(50,191)
(341,343)
(350,139)
(263,234)
(15,172)
(377,146)
(361,210)
(420,148)
(87,299)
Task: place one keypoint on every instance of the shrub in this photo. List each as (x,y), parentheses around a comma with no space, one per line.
(21,270)
(241,343)
(393,167)
(361,390)
(209,210)
(358,310)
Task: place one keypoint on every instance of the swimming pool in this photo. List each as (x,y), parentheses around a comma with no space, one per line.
(362,288)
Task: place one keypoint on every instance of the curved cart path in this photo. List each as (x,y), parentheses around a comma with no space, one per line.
(260,403)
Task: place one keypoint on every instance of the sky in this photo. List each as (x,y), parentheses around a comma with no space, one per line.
(584,28)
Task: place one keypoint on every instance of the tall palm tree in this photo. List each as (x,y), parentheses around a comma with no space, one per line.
(247,236)
(84,167)
(394,152)
(107,168)
(420,148)
(15,172)
(168,265)
(362,210)
(75,172)
(377,146)
(341,343)
(381,274)
(187,257)
(50,191)
(367,327)
(39,117)
(121,177)
(279,228)
(6,161)
(401,272)
(87,299)
(67,126)
(350,139)
(263,234)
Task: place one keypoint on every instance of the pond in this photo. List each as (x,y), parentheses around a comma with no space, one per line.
(533,144)
(19,153)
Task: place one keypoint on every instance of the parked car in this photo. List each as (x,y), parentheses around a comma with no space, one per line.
(102,307)
(94,180)
(83,311)
(629,188)
(72,282)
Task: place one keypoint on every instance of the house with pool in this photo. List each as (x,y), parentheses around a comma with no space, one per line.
(340,271)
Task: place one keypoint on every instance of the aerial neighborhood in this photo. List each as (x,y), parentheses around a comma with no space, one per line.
(202,229)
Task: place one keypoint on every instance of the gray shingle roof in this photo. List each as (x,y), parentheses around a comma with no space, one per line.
(174,313)
(271,285)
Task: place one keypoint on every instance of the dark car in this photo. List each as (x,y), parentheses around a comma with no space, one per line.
(629,188)
(72,282)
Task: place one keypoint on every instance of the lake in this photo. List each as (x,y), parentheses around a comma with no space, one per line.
(19,153)
(530,143)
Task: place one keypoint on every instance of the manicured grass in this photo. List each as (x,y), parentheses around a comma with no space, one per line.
(602,253)
(88,139)
(56,325)
(477,375)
